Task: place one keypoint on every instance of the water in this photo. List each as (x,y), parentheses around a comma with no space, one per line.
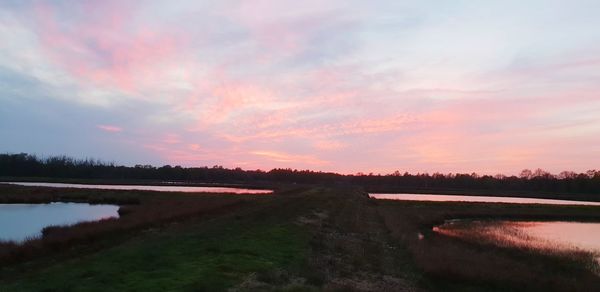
(21,221)
(541,235)
(480,199)
(185,189)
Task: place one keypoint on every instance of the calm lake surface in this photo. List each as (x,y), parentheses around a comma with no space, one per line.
(556,235)
(185,189)
(480,199)
(20,221)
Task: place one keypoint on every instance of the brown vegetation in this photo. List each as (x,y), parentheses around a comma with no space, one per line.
(138,210)
(456,264)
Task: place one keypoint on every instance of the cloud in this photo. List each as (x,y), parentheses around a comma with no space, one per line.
(109,128)
(103,48)
(329,145)
(341,86)
(289,158)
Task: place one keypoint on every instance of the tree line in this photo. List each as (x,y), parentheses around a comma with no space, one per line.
(26,165)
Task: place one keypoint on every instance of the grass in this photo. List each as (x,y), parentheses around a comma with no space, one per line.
(450,264)
(511,234)
(143,210)
(181,242)
(302,238)
(198,257)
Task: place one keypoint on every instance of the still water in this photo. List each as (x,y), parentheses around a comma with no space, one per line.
(542,235)
(480,199)
(21,221)
(185,189)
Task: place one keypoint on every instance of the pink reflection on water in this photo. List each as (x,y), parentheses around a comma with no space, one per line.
(184,189)
(575,234)
(552,237)
(478,199)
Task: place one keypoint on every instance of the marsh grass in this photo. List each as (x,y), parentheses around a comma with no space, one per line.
(505,234)
(450,263)
(514,235)
(138,211)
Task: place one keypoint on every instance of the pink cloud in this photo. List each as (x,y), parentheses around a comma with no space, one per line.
(109,128)
(329,145)
(289,158)
(356,126)
(172,139)
(263,79)
(104,47)
(195,147)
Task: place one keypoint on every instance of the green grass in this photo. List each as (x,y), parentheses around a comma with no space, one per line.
(330,238)
(197,257)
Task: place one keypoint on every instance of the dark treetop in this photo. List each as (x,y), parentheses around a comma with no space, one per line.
(62,167)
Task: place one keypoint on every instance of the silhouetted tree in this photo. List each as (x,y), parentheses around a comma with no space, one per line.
(25,165)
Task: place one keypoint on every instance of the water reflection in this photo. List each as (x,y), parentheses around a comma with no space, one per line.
(185,189)
(544,236)
(21,221)
(480,199)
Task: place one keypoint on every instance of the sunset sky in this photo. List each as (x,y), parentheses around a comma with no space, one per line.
(346,86)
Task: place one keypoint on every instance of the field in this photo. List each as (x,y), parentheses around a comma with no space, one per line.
(299,239)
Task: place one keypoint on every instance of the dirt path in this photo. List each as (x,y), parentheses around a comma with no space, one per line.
(351,245)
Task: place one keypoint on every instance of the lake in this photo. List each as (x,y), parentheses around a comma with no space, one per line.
(541,235)
(21,221)
(478,199)
(185,189)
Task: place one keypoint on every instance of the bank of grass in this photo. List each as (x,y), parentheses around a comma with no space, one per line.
(205,247)
(138,210)
(210,256)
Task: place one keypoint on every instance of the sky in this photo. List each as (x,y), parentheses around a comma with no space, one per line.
(345,86)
